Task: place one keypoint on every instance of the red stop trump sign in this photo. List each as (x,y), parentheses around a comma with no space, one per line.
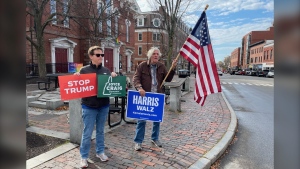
(77,86)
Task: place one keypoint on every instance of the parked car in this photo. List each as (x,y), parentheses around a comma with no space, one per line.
(182,73)
(220,73)
(265,72)
(232,72)
(243,72)
(270,73)
(238,72)
(259,73)
(248,72)
(252,72)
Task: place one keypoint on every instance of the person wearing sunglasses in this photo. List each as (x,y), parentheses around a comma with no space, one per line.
(94,109)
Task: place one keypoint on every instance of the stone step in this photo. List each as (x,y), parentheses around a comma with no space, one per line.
(35,92)
(48,104)
(38,104)
(32,98)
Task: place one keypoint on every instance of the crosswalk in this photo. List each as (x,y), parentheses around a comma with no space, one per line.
(250,84)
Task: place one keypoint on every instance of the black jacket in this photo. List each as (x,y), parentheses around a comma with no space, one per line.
(94,101)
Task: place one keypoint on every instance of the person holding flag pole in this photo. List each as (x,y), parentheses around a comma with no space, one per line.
(147,78)
(197,49)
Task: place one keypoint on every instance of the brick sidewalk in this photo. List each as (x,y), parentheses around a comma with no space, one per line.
(186,137)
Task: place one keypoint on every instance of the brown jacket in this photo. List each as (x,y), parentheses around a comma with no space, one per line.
(142,76)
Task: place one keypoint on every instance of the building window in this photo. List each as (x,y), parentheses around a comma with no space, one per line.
(156,37)
(251,60)
(116,23)
(140,36)
(267,55)
(128,23)
(65,10)
(264,55)
(53,10)
(100,10)
(108,12)
(140,51)
(156,22)
(271,54)
(140,22)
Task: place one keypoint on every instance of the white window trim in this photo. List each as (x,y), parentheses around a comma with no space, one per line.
(128,23)
(65,7)
(116,22)
(53,10)
(154,34)
(108,11)
(138,21)
(99,7)
(140,33)
(158,22)
(140,47)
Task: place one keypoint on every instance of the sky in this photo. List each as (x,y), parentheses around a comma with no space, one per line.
(228,21)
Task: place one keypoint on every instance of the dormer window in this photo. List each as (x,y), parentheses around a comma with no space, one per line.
(140,21)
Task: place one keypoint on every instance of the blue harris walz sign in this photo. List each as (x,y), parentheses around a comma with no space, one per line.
(150,107)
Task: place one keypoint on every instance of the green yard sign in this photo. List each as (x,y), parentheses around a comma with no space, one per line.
(111,86)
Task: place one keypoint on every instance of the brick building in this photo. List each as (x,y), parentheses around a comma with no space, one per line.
(262,55)
(235,58)
(268,57)
(68,40)
(250,39)
(150,31)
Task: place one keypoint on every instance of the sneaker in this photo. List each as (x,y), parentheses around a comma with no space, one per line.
(156,143)
(102,157)
(138,146)
(84,163)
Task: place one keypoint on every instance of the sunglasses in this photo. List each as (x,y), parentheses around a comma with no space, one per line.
(98,55)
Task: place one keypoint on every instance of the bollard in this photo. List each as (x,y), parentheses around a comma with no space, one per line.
(27,124)
(187,84)
(76,124)
(175,95)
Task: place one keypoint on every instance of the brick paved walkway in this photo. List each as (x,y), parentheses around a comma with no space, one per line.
(186,137)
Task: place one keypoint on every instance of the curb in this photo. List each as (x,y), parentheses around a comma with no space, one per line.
(211,156)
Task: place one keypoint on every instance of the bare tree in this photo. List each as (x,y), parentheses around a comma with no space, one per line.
(221,65)
(93,18)
(172,13)
(226,62)
(97,18)
(42,17)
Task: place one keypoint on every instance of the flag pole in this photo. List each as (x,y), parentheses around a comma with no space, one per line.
(177,57)
(169,71)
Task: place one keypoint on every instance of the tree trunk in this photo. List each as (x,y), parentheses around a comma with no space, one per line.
(170,50)
(41,60)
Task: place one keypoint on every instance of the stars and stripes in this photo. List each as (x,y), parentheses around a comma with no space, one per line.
(198,50)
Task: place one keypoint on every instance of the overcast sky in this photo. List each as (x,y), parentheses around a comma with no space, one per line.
(228,21)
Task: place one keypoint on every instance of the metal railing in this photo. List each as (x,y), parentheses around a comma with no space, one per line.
(33,69)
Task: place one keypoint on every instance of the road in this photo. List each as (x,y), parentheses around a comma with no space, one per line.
(252,99)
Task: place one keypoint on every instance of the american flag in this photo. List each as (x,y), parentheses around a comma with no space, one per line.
(197,49)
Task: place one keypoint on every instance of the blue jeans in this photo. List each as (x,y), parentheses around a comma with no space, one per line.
(140,131)
(89,117)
